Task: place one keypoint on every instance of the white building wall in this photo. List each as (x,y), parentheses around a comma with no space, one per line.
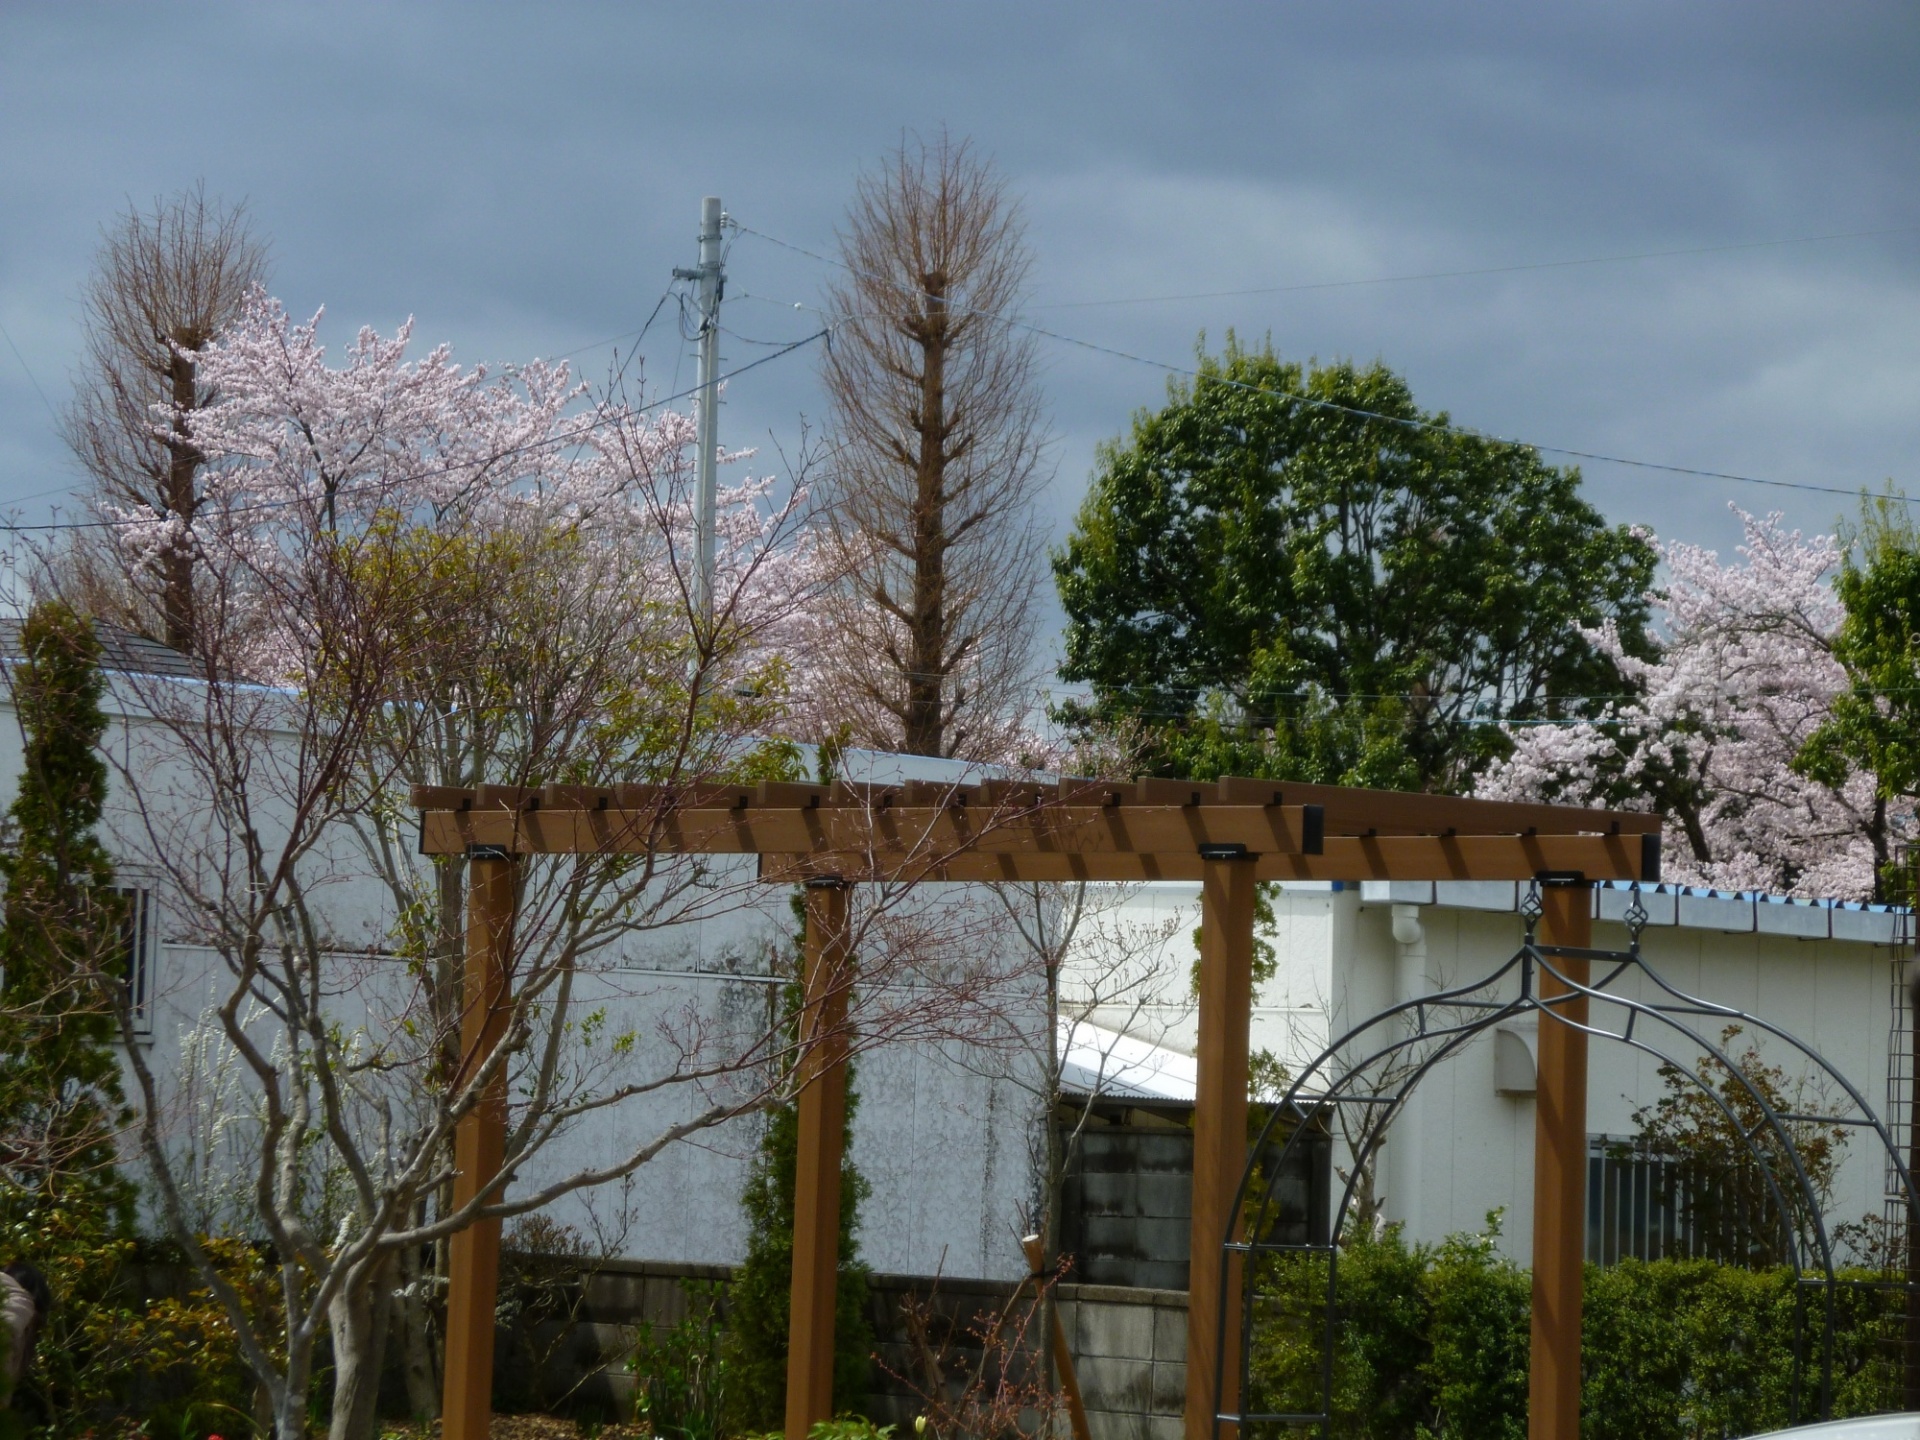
(943,1138)
(1469,1149)
(1461,1149)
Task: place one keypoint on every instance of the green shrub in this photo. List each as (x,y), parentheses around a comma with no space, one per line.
(1480,1303)
(1430,1343)
(849,1427)
(683,1372)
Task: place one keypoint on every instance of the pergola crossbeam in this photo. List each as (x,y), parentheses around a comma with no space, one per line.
(908,833)
(1400,857)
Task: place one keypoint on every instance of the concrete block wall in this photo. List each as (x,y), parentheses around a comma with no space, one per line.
(1130,1351)
(1128,1345)
(957,1313)
(583,1357)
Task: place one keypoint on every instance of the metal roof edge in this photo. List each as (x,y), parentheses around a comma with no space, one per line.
(1691,907)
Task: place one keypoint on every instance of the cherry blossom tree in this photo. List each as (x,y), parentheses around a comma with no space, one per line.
(412,572)
(1710,733)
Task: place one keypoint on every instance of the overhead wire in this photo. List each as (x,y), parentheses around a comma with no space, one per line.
(748,339)
(620,375)
(1481,270)
(1358,412)
(32,379)
(635,335)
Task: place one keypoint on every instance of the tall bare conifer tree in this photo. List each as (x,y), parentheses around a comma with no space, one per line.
(938,444)
(164,284)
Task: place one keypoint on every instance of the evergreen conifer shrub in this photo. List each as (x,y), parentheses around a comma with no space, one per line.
(759,1299)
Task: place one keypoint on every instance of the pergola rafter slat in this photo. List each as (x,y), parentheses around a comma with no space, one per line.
(1227,835)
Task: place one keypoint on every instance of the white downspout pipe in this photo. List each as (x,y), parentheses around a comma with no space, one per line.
(1410,983)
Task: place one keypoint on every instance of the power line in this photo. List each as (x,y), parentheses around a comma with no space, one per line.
(1430,426)
(634,335)
(621,374)
(1481,270)
(32,379)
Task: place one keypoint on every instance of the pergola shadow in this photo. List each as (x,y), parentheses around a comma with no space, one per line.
(1361,1082)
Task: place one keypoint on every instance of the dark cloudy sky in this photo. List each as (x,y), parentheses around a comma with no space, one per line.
(523,179)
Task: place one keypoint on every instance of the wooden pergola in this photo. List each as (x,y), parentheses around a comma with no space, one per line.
(1226,835)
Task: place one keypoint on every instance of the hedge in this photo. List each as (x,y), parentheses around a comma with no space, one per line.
(1430,1343)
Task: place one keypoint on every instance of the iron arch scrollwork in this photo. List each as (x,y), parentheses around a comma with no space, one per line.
(1361,1082)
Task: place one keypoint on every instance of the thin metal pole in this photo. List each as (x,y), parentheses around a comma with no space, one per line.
(711,277)
(473,1259)
(816,1183)
(1219,1142)
(1559,1173)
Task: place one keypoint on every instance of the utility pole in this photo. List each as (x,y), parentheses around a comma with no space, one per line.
(711,278)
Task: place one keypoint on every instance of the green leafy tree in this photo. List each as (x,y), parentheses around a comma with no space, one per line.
(1873,726)
(1296,571)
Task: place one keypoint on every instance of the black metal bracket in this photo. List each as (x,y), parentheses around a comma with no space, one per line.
(1313,830)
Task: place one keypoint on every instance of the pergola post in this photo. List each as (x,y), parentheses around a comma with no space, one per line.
(1219,1139)
(1559,1174)
(479,1140)
(816,1185)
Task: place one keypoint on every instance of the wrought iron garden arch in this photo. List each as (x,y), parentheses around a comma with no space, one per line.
(1425,1031)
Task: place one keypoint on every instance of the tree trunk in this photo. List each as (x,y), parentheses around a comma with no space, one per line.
(262,1408)
(290,1415)
(1882,853)
(413,1303)
(176,562)
(422,1300)
(358,1319)
(924,732)
(1696,832)
(1055,1153)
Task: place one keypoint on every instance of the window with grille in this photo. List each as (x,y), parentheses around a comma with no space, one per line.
(1643,1205)
(1635,1208)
